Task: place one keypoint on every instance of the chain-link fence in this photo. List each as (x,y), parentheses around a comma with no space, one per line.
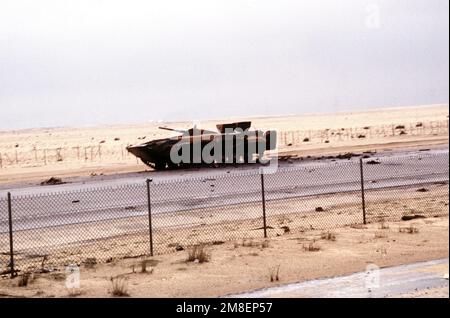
(47,230)
(114,150)
(412,185)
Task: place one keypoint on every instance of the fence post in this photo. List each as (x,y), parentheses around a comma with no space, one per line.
(150,228)
(11,248)
(362,190)
(263,204)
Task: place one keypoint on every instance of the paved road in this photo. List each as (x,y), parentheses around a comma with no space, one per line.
(398,281)
(79,202)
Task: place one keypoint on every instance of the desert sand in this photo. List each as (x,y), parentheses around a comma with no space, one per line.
(36,154)
(239,266)
(240,258)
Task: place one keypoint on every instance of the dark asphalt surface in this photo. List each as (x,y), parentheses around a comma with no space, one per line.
(171,191)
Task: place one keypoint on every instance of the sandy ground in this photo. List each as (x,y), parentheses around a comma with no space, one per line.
(39,153)
(240,260)
(247,265)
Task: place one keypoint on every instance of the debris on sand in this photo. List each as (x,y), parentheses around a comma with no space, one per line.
(90,262)
(373,162)
(286,229)
(422,190)
(319,209)
(412,217)
(347,155)
(116,139)
(306,140)
(178,247)
(400,127)
(52,181)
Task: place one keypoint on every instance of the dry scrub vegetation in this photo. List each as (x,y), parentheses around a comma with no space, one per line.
(198,253)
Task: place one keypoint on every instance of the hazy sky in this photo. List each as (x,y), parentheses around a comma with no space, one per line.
(95,62)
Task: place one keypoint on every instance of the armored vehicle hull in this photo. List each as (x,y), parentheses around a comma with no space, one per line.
(232,143)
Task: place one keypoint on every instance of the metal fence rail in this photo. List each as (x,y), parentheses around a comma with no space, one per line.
(49,230)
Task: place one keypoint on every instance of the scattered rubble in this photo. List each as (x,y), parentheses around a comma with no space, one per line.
(52,181)
(412,217)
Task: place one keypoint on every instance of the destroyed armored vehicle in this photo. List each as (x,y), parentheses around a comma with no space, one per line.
(232,143)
